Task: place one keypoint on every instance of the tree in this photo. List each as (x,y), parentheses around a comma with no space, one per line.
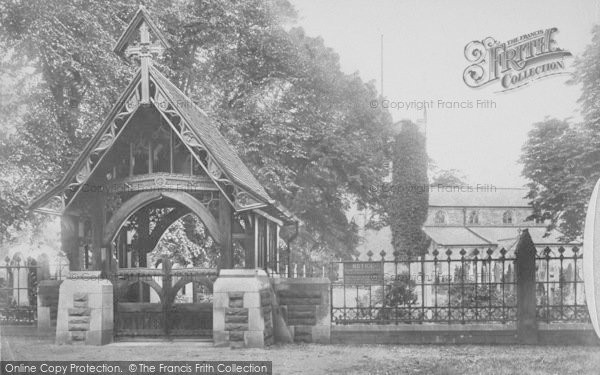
(562,158)
(560,164)
(279,97)
(408,199)
(447,177)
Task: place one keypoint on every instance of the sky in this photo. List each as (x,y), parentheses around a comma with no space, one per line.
(423,60)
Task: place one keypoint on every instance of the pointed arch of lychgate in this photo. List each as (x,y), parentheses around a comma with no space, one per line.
(135,203)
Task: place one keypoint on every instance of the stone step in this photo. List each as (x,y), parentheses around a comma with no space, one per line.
(294,314)
(301,322)
(301,308)
(79,311)
(299,301)
(299,294)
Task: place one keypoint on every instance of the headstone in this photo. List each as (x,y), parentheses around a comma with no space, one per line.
(47,303)
(20,276)
(43,272)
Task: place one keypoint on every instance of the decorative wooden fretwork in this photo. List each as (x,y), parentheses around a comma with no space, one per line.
(163,181)
(238,197)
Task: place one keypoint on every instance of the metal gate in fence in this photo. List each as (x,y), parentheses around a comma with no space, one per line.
(163,302)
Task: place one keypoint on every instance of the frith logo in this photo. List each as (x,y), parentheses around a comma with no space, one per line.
(515,63)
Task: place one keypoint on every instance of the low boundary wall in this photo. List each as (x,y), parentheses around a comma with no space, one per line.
(487,334)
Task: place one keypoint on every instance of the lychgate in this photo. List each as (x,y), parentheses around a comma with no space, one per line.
(156,158)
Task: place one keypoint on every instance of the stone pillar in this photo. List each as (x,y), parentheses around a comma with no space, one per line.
(527,328)
(306,308)
(85,310)
(242,309)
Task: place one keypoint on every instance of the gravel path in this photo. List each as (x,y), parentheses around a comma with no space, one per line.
(332,359)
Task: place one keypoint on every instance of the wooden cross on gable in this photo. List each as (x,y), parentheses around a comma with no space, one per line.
(142,49)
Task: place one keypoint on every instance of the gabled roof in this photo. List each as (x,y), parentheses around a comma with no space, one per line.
(79,162)
(140,16)
(455,236)
(204,129)
(212,139)
(248,193)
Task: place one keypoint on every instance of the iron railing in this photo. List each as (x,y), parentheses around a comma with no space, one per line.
(457,286)
(18,292)
(451,286)
(559,285)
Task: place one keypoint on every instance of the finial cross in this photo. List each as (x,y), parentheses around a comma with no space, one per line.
(142,49)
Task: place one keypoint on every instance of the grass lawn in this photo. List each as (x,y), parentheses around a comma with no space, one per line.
(333,359)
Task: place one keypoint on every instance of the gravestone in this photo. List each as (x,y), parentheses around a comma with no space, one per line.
(43,271)
(20,276)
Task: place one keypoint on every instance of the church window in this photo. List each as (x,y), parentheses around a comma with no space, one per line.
(440,217)
(473,217)
(507,217)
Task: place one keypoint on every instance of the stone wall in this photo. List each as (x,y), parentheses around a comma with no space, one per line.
(306,308)
(468,334)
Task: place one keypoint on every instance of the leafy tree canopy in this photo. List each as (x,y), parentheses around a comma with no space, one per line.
(279,96)
(562,158)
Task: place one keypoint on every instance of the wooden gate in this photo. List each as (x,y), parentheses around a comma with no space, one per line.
(164,302)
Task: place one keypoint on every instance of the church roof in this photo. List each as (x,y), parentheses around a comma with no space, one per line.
(484,197)
(455,236)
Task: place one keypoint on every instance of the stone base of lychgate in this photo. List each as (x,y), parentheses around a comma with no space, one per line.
(242,309)
(85,312)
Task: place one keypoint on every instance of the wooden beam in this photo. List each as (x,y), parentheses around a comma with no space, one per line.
(269,217)
(255,217)
(69,233)
(225,225)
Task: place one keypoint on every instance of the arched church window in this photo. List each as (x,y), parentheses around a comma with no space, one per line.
(507,217)
(440,217)
(473,217)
